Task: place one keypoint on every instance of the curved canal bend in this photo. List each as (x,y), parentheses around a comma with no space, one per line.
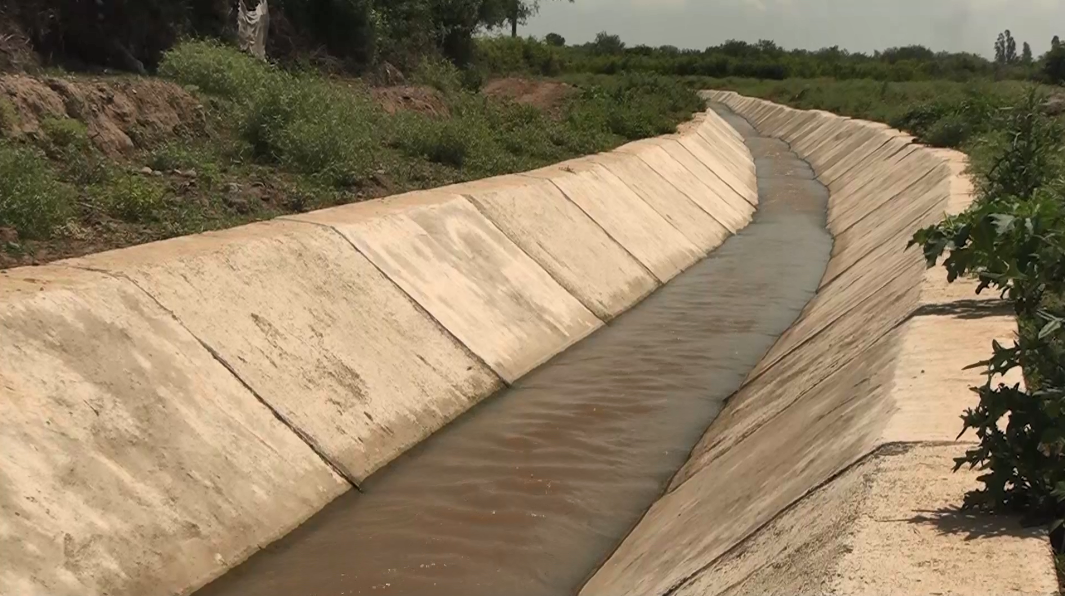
(530,491)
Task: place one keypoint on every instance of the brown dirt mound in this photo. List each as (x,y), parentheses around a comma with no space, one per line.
(121,114)
(546,95)
(424,100)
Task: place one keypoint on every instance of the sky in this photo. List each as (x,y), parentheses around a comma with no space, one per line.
(857,25)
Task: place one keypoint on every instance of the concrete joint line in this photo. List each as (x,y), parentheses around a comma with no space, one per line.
(827,284)
(684,194)
(658,283)
(337,468)
(822,329)
(587,307)
(802,395)
(689,151)
(418,307)
(890,200)
(882,449)
(858,163)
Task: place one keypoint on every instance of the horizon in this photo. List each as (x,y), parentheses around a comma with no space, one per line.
(941,25)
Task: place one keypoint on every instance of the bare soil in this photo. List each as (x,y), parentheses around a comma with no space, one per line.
(413,98)
(545,95)
(122,114)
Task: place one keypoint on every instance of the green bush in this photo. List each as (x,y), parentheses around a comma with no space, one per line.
(950,131)
(131,197)
(299,121)
(439,74)
(8,116)
(32,200)
(1012,239)
(65,133)
(182,155)
(216,69)
(634,106)
(445,142)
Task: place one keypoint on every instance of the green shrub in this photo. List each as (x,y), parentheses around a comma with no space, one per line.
(65,133)
(1012,239)
(301,122)
(439,74)
(949,131)
(8,116)
(446,142)
(131,197)
(216,69)
(32,200)
(181,155)
(635,106)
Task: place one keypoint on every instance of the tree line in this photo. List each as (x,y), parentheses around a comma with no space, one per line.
(354,34)
(608,54)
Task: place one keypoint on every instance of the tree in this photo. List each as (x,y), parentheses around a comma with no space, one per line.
(1006,49)
(520,11)
(606,43)
(1026,55)
(1054,43)
(1054,65)
(554,39)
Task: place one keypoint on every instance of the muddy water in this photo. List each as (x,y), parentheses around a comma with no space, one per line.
(529,492)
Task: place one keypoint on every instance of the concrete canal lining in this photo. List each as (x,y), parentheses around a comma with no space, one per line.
(530,491)
(830,470)
(173,408)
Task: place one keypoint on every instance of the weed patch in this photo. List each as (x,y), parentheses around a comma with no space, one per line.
(1012,239)
(32,200)
(130,197)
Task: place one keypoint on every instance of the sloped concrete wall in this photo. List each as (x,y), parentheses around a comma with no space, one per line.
(829,471)
(170,408)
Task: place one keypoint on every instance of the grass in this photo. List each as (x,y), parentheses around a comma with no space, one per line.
(939,113)
(281,141)
(32,200)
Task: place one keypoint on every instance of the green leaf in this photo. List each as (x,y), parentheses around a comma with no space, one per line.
(1050,328)
(1003,222)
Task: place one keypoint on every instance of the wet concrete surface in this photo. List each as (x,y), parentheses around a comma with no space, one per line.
(531,490)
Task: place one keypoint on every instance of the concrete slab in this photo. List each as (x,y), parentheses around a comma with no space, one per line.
(885,526)
(918,172)
(727,142)
(468,275)
(709,200)
(132,462)
(861,155)
(694,153)
(820,474)
(698,226)
(720,180)
(717,148)
(317,331)
(746,183)
(564,240)
(626,217)
(879,162)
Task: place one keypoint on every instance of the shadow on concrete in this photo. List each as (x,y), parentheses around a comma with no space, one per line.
(975,525)
(966,309)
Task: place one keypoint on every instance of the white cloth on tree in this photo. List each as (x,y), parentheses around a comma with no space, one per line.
(251,28)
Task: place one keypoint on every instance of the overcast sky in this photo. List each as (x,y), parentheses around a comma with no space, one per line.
(857,25)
